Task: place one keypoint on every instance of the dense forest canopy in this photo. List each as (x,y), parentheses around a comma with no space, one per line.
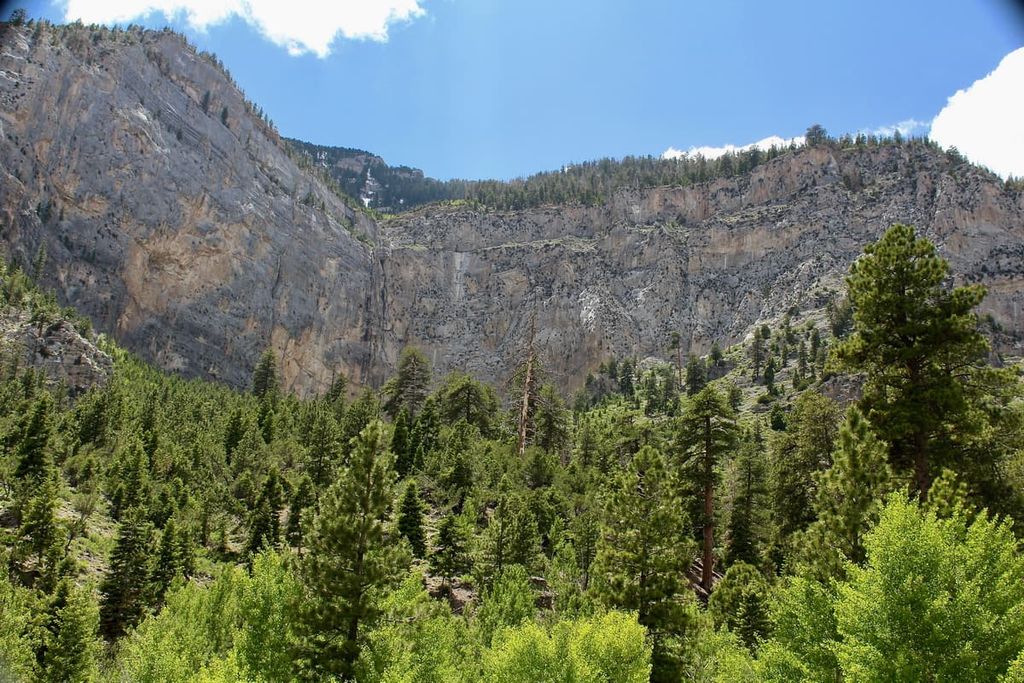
(703,519)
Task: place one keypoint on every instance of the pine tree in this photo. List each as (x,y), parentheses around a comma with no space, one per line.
(696,375)
(410,520)
(757,353)
(125,589)
(769,374)
(450,557)
(169,560)
(352,555)
(72,648)
(359,415)
(744,531)
(740,603)
(917,341)
(643,553)
(39,531)
(794,456)
(408,388)
(322,440)
(301,504)
(707,432)
(32,452)
(551,421)
(849,498)
(511,537)
(401,444)
(265,382)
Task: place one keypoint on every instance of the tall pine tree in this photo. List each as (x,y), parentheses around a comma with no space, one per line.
(352,556)
(917,341)
(643,554)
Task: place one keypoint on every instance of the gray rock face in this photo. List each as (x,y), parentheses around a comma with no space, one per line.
(197,239)
(56,349)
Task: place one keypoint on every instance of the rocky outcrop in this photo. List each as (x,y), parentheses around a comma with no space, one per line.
(177,220)
(64,356)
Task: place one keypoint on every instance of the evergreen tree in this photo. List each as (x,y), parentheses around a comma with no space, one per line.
(511,537)
(757,353)
(352,557)
(794,456)
(301,504)
(38,534)
(322,440)
(32,452)
(464,398)
(359,415)
(551,421)
(918,344)
(740,603)
(696,375)
(72,648)
(174,558)
(125,589)
(744,531)
(265,383)
(450,557)
(707,432)
(769,374)
(410,520)
(849,497)
(401,444)
(408,388)
(643,553)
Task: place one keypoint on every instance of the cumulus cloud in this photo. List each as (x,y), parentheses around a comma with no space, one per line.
(906,128)
(715,152)
(300,26)
(984,121)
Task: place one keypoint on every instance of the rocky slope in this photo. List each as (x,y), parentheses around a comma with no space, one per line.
(196,237)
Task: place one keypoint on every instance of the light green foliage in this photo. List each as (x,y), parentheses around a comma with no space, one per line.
(509,602)
(804,634)
(196,625)
(936,600)
(72,646)
(611,647)
(266,613)
(418,641)
(21,632)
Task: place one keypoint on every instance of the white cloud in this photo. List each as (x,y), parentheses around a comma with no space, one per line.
(984,121)
(300,26)
(906,128)
(715,152)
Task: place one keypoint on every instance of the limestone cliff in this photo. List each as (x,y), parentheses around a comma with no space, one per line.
(177,219)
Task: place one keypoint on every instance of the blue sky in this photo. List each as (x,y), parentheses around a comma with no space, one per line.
(495,88)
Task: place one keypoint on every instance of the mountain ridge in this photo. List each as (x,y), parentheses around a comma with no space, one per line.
(176,217)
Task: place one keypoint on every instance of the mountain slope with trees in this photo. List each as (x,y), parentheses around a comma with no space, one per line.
(162,529)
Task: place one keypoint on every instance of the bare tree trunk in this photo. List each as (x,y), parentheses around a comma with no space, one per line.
(524,412)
